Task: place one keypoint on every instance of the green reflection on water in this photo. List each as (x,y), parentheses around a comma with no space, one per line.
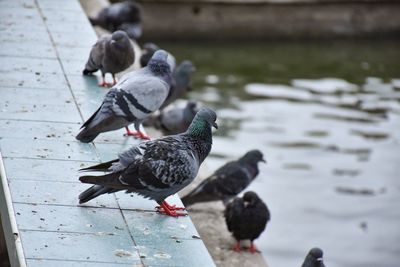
(279,62)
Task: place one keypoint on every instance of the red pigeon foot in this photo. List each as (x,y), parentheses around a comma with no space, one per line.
(237,247)
(137,134)
(253,248)
(165,208)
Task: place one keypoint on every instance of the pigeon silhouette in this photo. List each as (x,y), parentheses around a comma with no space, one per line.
(246,218)
(228,181)
(147,52)
(173,121)
(110,54)
(314,258)
(131,100)
(156,169)
(181,82)
(125,16)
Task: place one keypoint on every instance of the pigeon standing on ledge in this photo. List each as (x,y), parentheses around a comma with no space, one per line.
(156,169)
(131,100)
(181,82)
(110,54)
(314,258)
(246,218)
(173,121)
(228,181)
(125,16)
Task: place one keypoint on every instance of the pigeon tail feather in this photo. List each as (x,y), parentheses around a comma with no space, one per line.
(93,192)
(85,136)
(99,167)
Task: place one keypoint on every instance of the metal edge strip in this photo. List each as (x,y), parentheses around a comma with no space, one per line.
(11,232)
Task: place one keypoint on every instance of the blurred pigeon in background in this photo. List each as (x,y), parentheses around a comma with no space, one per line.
(148,50)
(228,181)
(156,169)
(246,218)
(125,16)
(173,121)
(181,82)
(110,54)
(314,258)
(131,100)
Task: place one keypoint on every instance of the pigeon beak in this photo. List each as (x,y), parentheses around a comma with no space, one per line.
(215,125)
(263,160)
(320,259)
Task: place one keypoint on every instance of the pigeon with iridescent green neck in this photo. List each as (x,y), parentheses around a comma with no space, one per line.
(156,169)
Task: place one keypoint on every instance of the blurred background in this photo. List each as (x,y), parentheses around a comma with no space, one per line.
(315,85)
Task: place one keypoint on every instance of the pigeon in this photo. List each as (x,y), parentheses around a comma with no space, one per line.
(246,218)
(228,181)
(314,258)
(181,82)
(148,51)
(173,121)
(131,100)
(125,16)
(158,168)
(110,54)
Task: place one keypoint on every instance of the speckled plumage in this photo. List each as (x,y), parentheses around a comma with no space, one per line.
(159,168)
(228,181)
(131,100)
(246,217)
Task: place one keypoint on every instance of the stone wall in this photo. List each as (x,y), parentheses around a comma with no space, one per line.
(206,19)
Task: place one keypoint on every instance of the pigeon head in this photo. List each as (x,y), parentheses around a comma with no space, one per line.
(314,258)
(250,198)
(191,105)
(186,67)
(253,156)
(158,63)
(202,123)
(316,253)
(150,48)
(119,38)
(190,111)
(183,74)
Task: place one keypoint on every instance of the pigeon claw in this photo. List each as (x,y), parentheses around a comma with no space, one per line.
(253,248)
(237,247)
(105,84)
(137,134)
(170,210)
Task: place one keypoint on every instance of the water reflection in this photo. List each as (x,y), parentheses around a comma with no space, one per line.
(331,136)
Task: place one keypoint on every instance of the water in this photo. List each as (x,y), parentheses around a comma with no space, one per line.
(327,117)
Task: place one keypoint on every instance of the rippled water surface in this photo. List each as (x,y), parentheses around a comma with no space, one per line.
(327,117)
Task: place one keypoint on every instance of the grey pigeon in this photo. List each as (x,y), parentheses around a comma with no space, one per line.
(228,181)
(173,121)
(125,16)
(156,169)
(181,82)
(131,100)
(110,54)
(246,218)
(147,52)
(314,258)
